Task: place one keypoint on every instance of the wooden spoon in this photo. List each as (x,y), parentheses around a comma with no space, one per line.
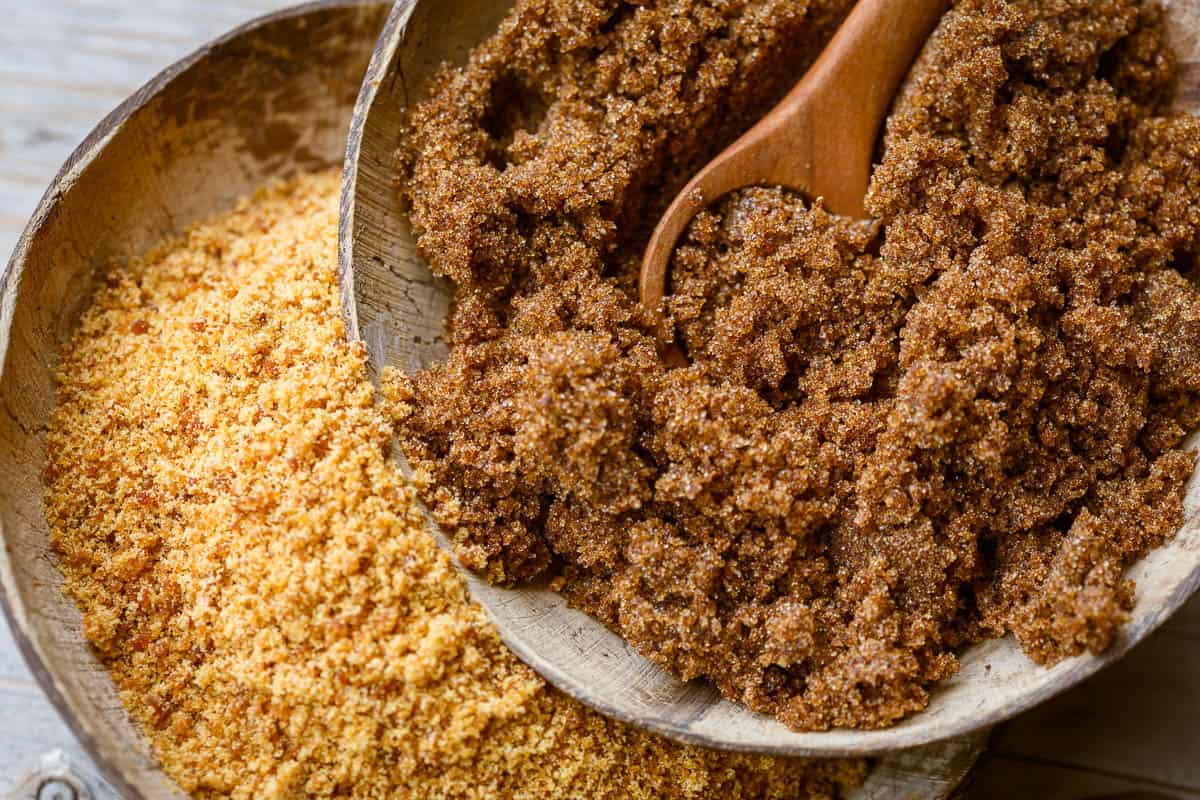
(820,139)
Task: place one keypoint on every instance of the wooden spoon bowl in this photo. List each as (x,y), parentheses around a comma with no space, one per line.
(819,140)
(397,308)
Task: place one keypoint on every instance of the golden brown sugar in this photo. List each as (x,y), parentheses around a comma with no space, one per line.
(254,572)
(894,440)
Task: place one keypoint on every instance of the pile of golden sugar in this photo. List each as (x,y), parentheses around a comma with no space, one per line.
(253,571)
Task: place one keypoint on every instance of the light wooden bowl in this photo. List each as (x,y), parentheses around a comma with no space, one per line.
(270,99)
(395,306)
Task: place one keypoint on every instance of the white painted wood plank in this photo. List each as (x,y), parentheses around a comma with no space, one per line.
(31,730)
(64,64)
(13,672)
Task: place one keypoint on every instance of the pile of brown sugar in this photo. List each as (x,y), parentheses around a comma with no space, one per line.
(254,572)
(894,440)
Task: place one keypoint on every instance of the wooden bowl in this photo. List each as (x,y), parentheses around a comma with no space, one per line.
(269,99)
(394,305)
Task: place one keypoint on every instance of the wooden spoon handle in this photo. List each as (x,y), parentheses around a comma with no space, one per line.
(820,139)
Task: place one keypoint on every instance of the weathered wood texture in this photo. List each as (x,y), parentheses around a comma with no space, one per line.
(65,63)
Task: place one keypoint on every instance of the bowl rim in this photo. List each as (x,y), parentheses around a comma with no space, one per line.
(12,605)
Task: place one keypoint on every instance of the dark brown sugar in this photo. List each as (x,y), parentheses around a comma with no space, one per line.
(895,439)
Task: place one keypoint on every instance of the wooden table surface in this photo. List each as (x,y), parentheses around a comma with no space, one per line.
(66,63)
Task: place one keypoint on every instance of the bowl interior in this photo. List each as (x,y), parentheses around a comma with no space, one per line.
(397,308)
